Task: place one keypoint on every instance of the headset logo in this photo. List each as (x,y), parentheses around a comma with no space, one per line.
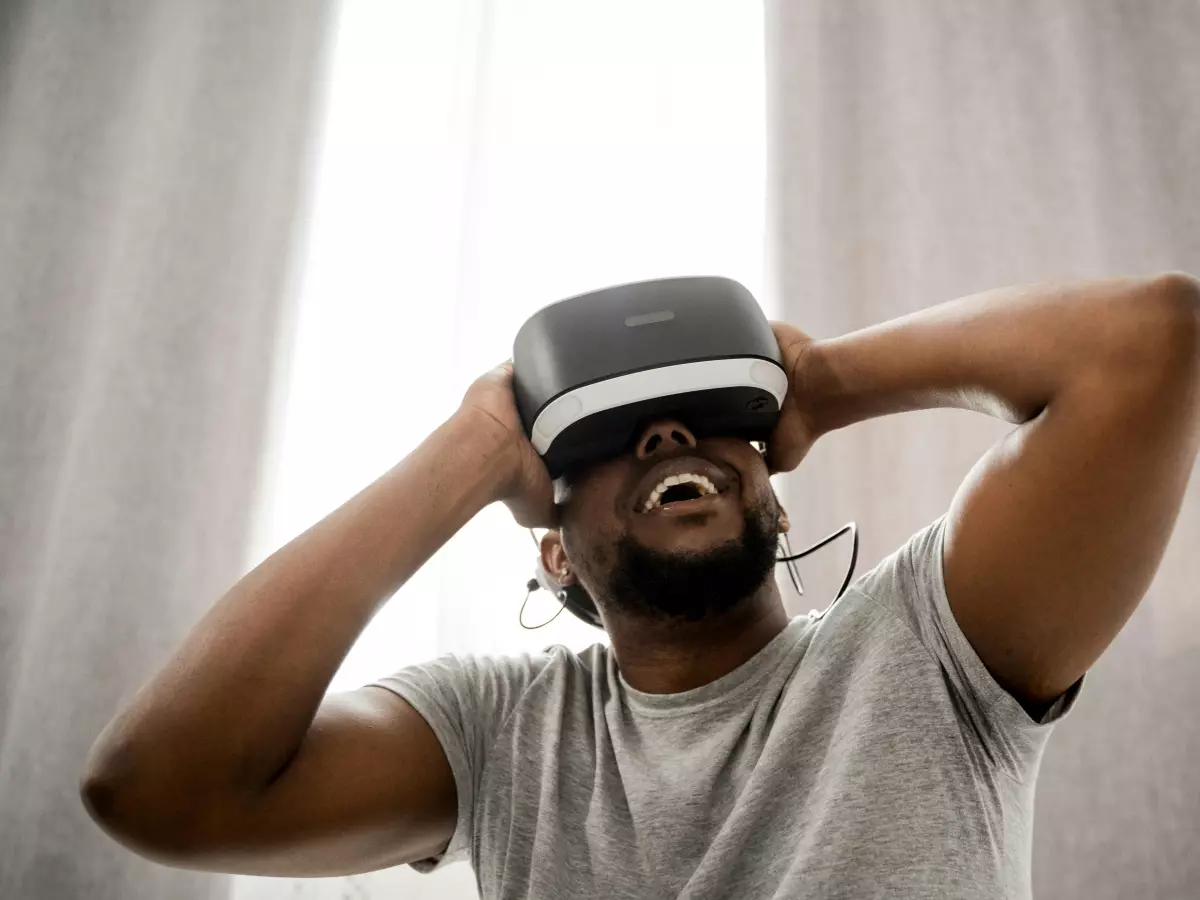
(663,315)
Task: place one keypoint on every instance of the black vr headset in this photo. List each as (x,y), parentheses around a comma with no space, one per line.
(590,372)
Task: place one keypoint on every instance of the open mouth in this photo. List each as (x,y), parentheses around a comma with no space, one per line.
(679,485)
(677,489)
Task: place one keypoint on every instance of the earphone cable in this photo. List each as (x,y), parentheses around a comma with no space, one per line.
(852,527)
(792,571)
(531,586)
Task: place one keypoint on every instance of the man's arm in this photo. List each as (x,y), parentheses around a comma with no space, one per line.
(1055,535)
(232,759)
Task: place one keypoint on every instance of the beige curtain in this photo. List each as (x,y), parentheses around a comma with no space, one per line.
(920,151)
(153,157)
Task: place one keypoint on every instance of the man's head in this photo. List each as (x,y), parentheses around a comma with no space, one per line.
(678,529)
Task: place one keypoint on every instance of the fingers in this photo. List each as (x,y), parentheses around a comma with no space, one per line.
(541,500)
(537,512)
(532,501)
(788,443)
(773,465)
(498,377)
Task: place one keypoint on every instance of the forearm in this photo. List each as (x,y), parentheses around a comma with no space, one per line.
(1007,352)
(233,704)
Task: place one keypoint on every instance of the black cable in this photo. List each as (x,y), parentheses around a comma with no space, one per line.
(797,583)
(852,527)
(531,586)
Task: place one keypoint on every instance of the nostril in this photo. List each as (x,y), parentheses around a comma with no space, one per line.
(652,443)
(678,437)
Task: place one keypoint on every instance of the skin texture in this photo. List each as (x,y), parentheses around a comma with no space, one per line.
(232,758)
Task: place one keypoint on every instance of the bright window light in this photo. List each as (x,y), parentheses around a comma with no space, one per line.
(476,162)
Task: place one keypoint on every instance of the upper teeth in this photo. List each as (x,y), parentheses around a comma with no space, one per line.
(703,484)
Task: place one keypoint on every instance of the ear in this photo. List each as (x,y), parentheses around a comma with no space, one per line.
(784,524)
(554,559)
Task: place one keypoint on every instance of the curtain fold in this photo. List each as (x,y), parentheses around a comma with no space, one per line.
(153,165)
(923,151)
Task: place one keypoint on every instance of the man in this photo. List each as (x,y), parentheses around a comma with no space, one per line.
(888,748)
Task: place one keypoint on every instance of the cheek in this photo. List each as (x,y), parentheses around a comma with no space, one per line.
(594,497)
(590,553)
(601,558)
(591,527)
(766,505)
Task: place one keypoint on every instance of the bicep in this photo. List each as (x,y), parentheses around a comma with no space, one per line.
(1056,534)
(369,788)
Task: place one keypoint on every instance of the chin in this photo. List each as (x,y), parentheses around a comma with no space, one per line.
(689,541)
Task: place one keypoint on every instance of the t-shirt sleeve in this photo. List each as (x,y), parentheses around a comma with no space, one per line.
(466,700)
(912,584)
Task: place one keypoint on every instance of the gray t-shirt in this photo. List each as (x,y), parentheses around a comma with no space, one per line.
(864,752)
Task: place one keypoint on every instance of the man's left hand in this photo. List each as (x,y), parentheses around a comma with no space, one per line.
(797,430)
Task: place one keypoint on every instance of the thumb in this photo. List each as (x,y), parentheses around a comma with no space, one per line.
(787,445)
(532,504)
(533,511)
(501,374)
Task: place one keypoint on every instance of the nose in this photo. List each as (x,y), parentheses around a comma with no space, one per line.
(663,436)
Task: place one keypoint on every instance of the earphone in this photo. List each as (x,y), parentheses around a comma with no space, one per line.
(572,596)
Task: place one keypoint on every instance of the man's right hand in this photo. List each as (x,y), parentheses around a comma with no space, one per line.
(526,489)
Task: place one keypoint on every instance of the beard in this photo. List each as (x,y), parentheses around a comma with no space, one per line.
(691,586)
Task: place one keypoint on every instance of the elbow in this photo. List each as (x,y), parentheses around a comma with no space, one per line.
(145,819)
(104,802)
(1179,295)
(114,808)
(1163,337)
(107,803)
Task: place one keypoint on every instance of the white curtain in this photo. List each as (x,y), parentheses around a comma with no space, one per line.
(922,151)
(153,165)
(478,161)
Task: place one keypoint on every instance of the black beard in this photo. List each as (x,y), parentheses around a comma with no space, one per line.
(692,586)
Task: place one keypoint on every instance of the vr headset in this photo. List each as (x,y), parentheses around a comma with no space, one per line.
(590,372)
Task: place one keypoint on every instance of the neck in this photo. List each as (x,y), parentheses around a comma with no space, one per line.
(658,657)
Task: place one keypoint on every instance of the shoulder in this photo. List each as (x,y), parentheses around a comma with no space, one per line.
(535,677)
(561,670)
(907,583)
(556,691)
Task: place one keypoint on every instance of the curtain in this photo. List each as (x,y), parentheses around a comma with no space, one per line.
(152,164)
(480,160)
(923,151)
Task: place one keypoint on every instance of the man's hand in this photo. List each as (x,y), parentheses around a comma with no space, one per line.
(797,429)
(527,490)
